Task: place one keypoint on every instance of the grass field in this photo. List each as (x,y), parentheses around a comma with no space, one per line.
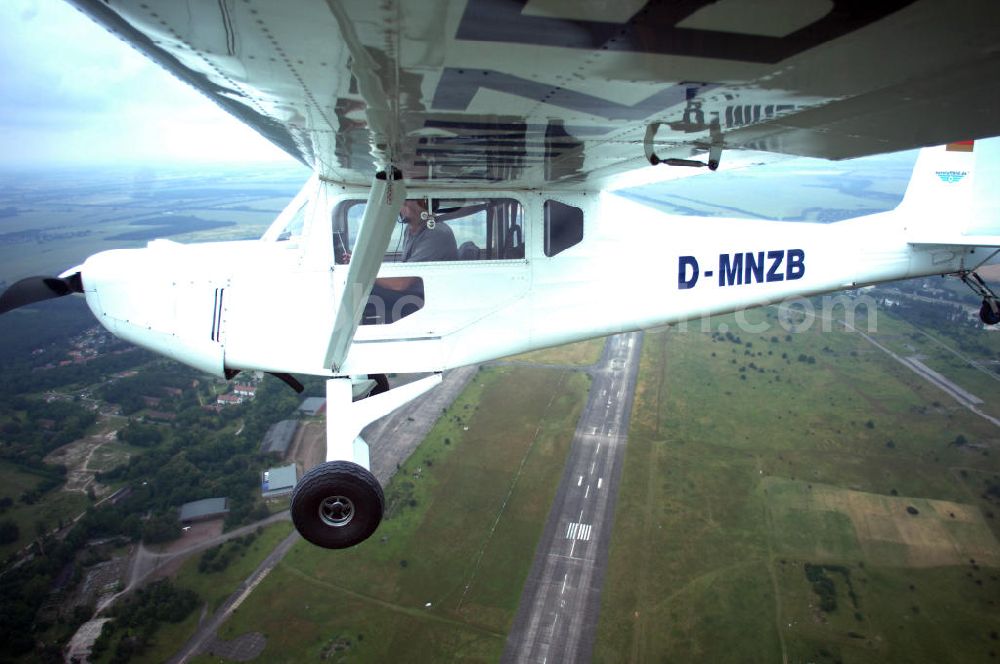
(582,353)
(968,369)
(52,507)
(441,578)
(745,462)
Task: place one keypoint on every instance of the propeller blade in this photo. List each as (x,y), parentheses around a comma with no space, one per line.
(37,289)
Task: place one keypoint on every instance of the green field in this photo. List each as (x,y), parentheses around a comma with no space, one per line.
(965,367)
(213,588)
(442,577)
(582,353)
(53,506)
(743,466)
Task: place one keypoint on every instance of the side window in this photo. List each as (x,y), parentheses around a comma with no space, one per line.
(346,224)
(294,226)
(441,229)
(563,227)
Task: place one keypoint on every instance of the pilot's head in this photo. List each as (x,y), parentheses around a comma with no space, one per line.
(414,212)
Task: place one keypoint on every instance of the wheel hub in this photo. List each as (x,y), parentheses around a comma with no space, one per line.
(336,511)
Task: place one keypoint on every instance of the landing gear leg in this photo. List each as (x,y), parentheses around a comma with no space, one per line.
(989,313)
(339,503)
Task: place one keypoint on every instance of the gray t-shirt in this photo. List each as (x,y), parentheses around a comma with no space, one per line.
(430,244)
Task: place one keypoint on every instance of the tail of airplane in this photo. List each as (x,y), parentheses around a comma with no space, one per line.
(940,205)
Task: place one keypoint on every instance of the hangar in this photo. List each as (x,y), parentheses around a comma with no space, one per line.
(203,510)
(278,437)
(278,481)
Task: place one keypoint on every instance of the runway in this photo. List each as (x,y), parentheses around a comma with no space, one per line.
(560,603)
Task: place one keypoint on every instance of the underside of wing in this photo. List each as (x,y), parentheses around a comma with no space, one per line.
(525,93)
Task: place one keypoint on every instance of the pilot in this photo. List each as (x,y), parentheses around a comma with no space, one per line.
(424,240)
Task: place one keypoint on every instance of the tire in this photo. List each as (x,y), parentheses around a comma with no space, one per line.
(988,315)
(337,504)
(381,384)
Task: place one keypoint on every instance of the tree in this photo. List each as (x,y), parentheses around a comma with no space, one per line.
(161,528)
(9,532)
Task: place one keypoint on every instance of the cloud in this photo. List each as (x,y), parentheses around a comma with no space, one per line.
(73,92)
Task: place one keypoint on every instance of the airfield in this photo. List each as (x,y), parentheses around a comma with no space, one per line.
(730,490)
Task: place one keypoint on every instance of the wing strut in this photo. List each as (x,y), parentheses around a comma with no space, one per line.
(384,202)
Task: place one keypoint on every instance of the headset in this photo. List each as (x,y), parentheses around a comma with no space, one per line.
(424,216)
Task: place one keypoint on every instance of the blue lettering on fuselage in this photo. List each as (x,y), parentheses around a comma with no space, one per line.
(749,267)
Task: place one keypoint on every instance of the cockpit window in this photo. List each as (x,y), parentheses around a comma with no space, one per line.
(440,229)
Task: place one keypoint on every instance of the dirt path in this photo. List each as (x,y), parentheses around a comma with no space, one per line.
(78,456)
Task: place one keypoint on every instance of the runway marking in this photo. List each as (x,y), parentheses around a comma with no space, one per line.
(598,449)
(579,531)
(564,583)
(592,467)
(599,480)
(587,492)
(579,480)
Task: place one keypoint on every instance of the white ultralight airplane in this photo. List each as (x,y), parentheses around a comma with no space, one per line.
(503,125)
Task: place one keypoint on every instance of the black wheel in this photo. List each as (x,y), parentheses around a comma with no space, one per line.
(337,504)
(988,315)
(381,384)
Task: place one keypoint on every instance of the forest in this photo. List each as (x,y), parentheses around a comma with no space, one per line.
(199,452)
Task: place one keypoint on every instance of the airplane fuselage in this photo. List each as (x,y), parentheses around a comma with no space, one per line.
(269,304)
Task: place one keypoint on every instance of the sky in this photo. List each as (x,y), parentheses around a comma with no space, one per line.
(73,94)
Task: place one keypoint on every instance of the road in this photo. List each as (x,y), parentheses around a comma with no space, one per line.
(560,603)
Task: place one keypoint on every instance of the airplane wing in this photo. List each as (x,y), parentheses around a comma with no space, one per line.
(528,92)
